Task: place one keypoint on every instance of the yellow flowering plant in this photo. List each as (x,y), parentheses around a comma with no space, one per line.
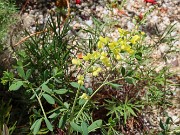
(113,70)
(108,58)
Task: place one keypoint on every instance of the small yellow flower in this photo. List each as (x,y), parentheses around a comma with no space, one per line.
(84,96)
(76,61)
(113,45)
(127,48)
(131,51)
(142,33)
(122,43)
(117,57)
(80,82)
(104,40)
(87,57)
(123,47)
(135,39)
(80,79)
(122,32)
(96,71)
(100,45)
(106,61)
(103,55)
(96,55)
(116,51)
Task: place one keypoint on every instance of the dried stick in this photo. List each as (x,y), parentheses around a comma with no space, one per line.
(25,38)
(27,1)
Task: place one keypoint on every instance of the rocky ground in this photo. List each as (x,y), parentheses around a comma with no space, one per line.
(161,14)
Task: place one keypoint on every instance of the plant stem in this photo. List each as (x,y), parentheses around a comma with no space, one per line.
(104,83)
(75,101)
(38,98)
(40,104)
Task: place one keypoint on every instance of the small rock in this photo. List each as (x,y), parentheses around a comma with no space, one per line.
(89,22)
(130,25)
(28,20)
(164,48)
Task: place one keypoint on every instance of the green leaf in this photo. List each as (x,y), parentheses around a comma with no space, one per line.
(33,96)
(82,101)
(33,125)
(95,125)
(37,126)
(131,111)
(125,117)
(28,74)
(21,73)
(162,125)
(130,73)
(76,85)
(66,105)
(168,120)
(62,121)
(61,91)
(55,114)
(123,71)
(138,56)
(46,74)
(49,99)
(130,80)
(48,124)
(90,91)
(84,128)
(114,85)
(55,71)
(15,85)
(76,127)
(46,88)
(43,131)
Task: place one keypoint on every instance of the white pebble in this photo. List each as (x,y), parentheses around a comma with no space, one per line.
(89,22)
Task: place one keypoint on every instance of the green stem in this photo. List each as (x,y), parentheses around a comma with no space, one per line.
(40,104)
(75,101)
(104,83)
(59,101)
(73,107)
(38,97)
(77,93)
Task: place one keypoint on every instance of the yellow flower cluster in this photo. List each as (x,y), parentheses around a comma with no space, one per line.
(84,96)
(80,79)
(96,70)
(105,60)
(102,41)
(134,39)
(122,32)
(76,62)
(108,50)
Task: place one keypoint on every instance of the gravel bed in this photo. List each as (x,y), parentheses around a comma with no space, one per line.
(162,14)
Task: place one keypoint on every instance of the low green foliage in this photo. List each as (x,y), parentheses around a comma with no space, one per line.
(5,123)
(7,11)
